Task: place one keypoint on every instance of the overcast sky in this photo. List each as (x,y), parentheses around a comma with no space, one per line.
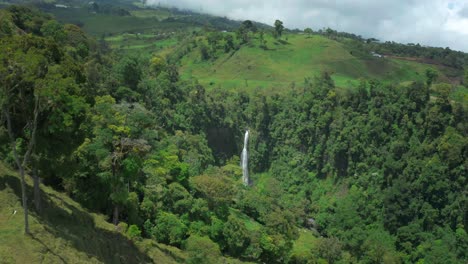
(441,23)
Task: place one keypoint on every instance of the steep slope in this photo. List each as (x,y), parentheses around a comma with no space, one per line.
(66,233)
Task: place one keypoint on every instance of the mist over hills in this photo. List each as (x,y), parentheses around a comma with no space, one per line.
(433,23)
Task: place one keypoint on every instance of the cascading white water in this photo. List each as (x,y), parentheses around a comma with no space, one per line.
(244,161)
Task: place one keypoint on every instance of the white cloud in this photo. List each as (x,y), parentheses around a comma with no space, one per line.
(428,22)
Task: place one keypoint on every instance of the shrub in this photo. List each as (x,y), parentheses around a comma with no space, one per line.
(202,250)
(134,232)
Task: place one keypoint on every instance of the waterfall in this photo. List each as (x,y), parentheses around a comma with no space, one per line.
(244,161)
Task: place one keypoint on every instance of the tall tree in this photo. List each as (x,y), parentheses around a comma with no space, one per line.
(115,147)
(20,99)
(262,39)
(431,76)
(229,43)
(278,28)
(243,31)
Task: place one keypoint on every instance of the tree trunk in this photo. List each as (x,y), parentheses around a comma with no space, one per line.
(20,164)
(115,219)
(20,170)
(37,191)
(25,200)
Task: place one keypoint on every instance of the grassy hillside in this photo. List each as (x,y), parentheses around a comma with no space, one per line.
(149,43)
(283,64)
(294,59)
(67,233)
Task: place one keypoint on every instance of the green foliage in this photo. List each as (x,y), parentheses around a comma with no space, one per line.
(130,71)
(262,39)
(376,172)
(134,232)
(202,250)
(169,229)
(27,19)
(329,249)
(304,247)
(218,190)
(275,248)
(204,52)
(6,25)
(89,237)
(281,222)
(178,198)
(213,40)
(158,64)
(278,29)
(229,43)
(236,236)
(379,247)
(244,31)
(53,30)
(265,67)
(77,41)
(431,76)
(112,145)
(193,150)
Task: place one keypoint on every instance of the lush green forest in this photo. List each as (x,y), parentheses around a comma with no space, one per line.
(362,167)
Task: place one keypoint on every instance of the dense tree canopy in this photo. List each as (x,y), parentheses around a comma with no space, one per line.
(377,172)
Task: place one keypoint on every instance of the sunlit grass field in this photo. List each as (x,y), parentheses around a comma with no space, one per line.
(65,232)
(285,65)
